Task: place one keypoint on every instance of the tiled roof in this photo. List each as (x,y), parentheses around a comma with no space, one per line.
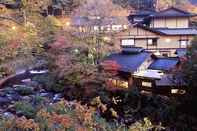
(181,52)
(129,62)
(152,74)
(176,31)
(172,12)
(164,64)
(133,50)
(143,13)
(171,80)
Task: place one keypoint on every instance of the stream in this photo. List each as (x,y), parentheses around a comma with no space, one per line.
(21,87)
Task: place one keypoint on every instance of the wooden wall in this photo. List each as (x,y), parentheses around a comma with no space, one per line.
(170,22)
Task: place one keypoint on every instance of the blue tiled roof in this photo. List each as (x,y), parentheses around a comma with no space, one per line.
(164,64)
(129,62)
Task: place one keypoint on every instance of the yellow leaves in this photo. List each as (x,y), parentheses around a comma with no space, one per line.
(97,102)
(114,113)
(53,21)
(2,9)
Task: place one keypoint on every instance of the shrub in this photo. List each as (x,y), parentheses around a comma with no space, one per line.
(25,109)
(24,90)
(50,83)
(38,100)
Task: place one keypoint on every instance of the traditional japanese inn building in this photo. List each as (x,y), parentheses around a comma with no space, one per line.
(142,69)
(160,32)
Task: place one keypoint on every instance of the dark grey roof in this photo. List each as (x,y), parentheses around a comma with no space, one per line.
(164,64)
(171,80)
(129,62)
(176,31)
(132,50)
(172,12)
(143,13)
(181,52)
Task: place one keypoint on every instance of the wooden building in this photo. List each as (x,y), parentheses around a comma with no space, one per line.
(159,32)
(142,69)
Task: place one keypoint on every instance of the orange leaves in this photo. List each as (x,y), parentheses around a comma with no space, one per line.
(84,114)
(14,44)
(75,115)
(26,124)
(111,66)
(63,120)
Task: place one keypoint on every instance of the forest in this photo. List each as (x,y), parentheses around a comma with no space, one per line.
(51,80)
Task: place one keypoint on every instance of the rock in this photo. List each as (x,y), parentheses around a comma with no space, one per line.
(26,80)
(45,94)
(39,71)
(26,98)
(14,97)
(8,90)
(1,111)
(42,91)
(8,115)
(11,108)
(4,101)
(57,97)
(2,94)
(24,90)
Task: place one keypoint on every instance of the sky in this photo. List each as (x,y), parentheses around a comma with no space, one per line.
(194,1)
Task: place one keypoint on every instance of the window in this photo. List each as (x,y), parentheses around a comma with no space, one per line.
(112,83)
(116,27)
(128,42)
(152,42)
(146,84)
(168,40)
(178,91)
(183,43)
(165,53)
(96,28)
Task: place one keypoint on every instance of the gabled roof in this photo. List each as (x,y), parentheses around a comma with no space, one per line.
(176,31)
(172,12)
(143,13)
(129,62)
(164,64)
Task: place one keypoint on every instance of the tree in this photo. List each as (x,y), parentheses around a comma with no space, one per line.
(190,71)
(102,8)
(163,4)
(68,5)
(190,67)
(99,14)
